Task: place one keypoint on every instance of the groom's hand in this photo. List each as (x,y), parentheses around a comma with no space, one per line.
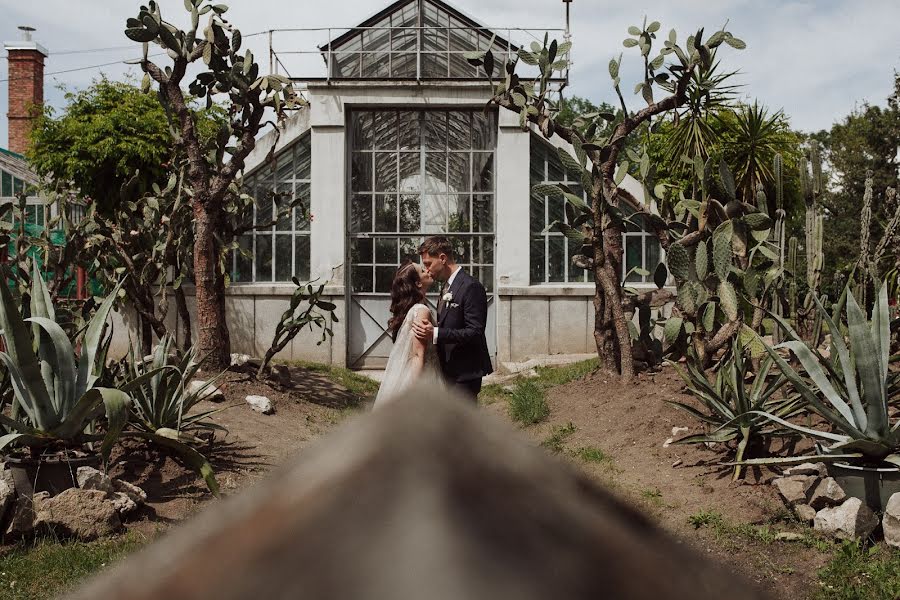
(423,331)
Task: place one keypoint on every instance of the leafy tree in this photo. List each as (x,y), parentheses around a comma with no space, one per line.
(865,140)
(210,166)
(598,159)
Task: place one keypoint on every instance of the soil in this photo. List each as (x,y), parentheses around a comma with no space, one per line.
(629,423)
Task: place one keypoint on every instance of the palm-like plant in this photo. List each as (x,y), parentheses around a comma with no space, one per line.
(732,407)
(752,139)
(162,403)
(54,393)
(850,389)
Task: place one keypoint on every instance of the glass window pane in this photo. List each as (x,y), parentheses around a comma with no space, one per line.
(5,184)
(410,213)
(436,172)
(409,134)
(536,257)
(486,278)
(459,130)
(361,172)
(462,249)
(483,251)
(385,212)
(385,130)
(484,130)
(409,249)
(243,263)
(538,217)
(483,213)
(361,251)
(301,257)
(557,258)
(386,251)
(435,130)
(385,172)
(383,278)
(410,167)
(263,262)
(483,172)
(301,211)
(459,213)
(265,204)
(284,267)
(556,210)
(361,213)
(303,158)
(361,126)
(554,167)
(375,64)
(361,279)
(653,253)
(458,172)
(575,274)
(633,256)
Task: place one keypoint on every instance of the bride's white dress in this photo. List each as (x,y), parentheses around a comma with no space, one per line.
(399,374)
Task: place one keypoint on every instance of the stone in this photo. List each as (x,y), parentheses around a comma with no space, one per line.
(90,478)
(261,404)
(21,521)
(676,431)
(891,521)
(240,360)
(788,536)
(812,469)
(122,502)
(211,392)
(7,494)
(805,513)
(281,374)
(794,489)
(852,520)
(827,493)
(138,495)
(82,514)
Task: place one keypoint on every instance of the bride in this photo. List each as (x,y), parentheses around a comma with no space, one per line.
(411,359)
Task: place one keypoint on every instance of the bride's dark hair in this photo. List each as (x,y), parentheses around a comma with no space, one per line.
(405,293)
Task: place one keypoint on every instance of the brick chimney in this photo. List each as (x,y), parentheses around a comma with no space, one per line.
(26,87)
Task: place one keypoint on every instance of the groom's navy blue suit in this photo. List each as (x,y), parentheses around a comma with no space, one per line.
(461,345)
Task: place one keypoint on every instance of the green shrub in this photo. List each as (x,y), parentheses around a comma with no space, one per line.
(527,404)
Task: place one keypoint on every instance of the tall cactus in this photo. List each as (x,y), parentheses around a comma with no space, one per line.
(811,186)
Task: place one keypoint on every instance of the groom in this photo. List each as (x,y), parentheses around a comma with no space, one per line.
(462,315)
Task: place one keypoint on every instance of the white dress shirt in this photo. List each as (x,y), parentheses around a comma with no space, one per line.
(434,335)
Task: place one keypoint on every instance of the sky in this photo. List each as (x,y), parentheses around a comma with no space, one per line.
(817,60)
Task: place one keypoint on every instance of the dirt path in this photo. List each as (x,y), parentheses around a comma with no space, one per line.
(624,427)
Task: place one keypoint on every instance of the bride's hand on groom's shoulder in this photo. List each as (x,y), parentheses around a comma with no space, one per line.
(423,329)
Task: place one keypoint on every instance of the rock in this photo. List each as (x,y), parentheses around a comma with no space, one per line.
(812,469)
(7,494)
(676,431)
(794,489)
(240,360)
(261,404)
(852,520)
(22,520)
(805,513)
(676,463)
(83,514)
(211,392)
(138,495)
(788,536)
(891,521)
(281,374)
(122,502)
(90,478)
(827,493)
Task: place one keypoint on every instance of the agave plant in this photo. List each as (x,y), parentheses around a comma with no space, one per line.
(849,388)
(162,401)
(732,407)
(54,393)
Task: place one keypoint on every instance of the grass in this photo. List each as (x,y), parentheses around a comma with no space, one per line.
(48,568)
(592,454)
(859,571)
(558,436)
(527,403)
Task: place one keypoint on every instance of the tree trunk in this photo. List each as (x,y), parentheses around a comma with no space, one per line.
(213,341)
(185,317)
(610,279)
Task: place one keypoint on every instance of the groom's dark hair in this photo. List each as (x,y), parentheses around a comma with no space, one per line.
(437,245)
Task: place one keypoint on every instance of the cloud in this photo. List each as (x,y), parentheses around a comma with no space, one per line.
(815,59)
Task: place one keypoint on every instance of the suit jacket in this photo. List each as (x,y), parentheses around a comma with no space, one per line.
(461,344)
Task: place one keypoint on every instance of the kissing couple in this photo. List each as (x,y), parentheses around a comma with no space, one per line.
(449,348)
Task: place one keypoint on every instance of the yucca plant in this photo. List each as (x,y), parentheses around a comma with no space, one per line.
(733,405)
(849,388)
(162,401)
(54,393)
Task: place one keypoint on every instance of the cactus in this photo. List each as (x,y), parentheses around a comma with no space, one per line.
(811,187)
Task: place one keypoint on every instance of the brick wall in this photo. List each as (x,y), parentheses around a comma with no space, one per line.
(26,92)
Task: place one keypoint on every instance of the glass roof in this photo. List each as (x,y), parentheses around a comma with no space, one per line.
(414,39)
